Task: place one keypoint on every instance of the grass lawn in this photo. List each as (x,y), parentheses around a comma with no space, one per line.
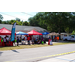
(31,46)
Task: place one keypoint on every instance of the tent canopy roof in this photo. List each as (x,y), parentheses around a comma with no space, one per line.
(5,31)
(53,33)
(33,32)
(45,33)
(21,33)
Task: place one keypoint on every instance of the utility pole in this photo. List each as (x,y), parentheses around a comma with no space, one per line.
(22,22)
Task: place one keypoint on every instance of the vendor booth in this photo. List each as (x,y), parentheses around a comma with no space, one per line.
(21,35)
(34,33)
(45,35)
(5,32)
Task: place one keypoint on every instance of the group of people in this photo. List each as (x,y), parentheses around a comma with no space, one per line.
(38,40)
(55,38)
(5,39)
(27,39)
(30,40)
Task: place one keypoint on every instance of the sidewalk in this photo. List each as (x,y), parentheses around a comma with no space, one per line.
(59,41)
(64,58)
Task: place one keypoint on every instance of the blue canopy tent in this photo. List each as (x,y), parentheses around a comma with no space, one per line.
(45,33)
(21,33)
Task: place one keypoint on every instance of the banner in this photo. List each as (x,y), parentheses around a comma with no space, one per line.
(13,32)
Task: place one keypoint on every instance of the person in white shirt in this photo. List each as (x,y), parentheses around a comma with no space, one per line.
(32,40)
(25,39)
(4,40)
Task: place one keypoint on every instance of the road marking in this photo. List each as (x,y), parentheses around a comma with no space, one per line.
(62,59)
(42,57)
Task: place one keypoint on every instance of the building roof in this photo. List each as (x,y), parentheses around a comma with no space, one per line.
(22,28)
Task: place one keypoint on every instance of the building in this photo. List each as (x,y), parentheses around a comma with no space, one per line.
(23,28)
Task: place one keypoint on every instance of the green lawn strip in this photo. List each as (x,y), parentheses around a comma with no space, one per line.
(31,46)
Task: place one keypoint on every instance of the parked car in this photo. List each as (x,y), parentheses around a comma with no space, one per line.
(69,38)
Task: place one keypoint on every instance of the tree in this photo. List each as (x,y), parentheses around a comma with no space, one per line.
(73,32)
(37,20)
(60,20)
(17,19)
(1,18)
(0,21)
(12,21)
(4,22)
(26,23)
(67,30)
(32,21)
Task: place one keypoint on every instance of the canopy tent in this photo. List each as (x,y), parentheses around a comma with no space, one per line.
(33,32)
(21,33)
(5,31)
(45,33)
(53,33)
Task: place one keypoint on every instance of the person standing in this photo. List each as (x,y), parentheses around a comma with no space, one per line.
(20,38)
(25,39)
(42,40)
(17,41)
(32,40)
(14,42)
(4,40)
(0,42)
(7,39)
(28,38)
(0,38)
(55,38)
(10,38)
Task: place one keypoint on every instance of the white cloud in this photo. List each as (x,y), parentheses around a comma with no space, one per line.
(5,17)
(13,15)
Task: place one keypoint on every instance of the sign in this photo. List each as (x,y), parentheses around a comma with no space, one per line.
(13,32)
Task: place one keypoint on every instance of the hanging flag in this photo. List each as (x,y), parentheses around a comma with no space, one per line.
(13,32)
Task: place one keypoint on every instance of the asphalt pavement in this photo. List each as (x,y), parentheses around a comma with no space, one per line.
(64,58)
(57,53)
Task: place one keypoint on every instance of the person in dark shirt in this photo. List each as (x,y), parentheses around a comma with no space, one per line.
(55,38)
(17,41)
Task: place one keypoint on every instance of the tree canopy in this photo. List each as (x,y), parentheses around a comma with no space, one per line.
(1,18)
(54,21)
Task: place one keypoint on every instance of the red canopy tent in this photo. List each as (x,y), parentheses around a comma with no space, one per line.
(33,32)
(5,31)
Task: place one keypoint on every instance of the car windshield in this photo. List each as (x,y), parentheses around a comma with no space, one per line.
(72,36)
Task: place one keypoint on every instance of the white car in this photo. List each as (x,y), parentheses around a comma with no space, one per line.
(69,38)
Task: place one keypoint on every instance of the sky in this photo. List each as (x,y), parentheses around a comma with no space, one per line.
(23,16)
